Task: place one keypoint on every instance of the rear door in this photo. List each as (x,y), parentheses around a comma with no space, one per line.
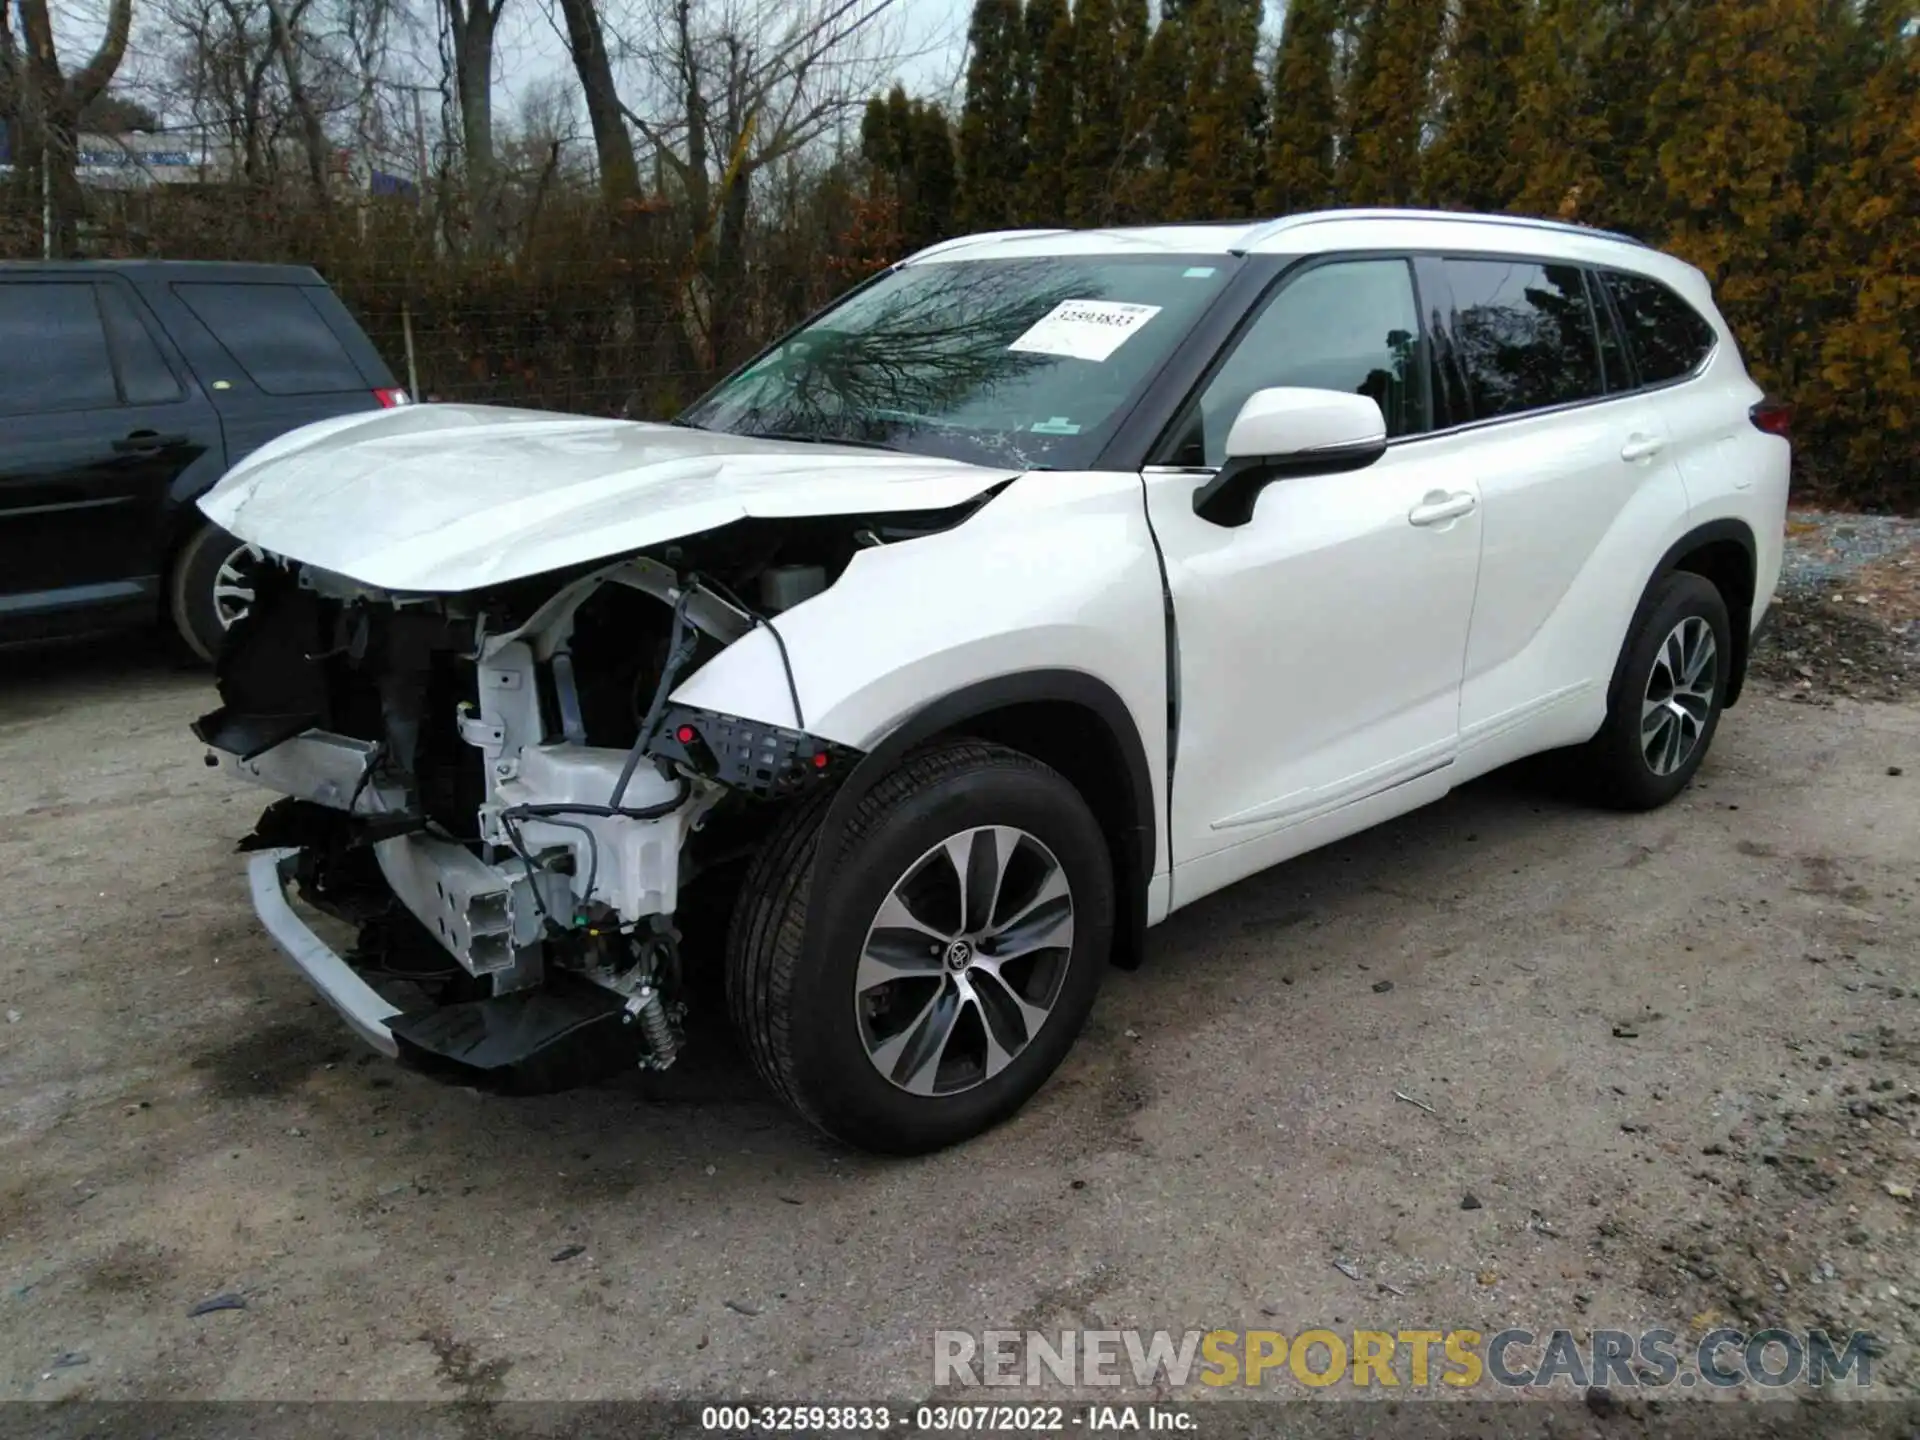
(1578,489)
(99,423)
(1668,343)
(274,356)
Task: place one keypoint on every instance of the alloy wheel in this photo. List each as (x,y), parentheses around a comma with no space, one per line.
(964,960)
(1679,697)
(233,593)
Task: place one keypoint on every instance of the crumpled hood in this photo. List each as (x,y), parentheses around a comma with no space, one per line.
(445,498)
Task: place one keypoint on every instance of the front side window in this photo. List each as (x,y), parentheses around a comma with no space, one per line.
(1349,325)
(1524,334)
(53,351)
(1022,363)
(1668,337)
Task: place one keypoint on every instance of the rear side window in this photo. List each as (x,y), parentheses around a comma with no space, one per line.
(276,336)
(1668,337)
(1525,335)
(1613,356)
(144,376)
(53,351)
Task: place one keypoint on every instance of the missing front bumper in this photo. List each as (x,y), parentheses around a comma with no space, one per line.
(554,1037)
(366,1011)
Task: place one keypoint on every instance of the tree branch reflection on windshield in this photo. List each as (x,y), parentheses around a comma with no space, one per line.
(921,361)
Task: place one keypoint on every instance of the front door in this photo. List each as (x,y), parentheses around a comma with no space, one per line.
(1320,645)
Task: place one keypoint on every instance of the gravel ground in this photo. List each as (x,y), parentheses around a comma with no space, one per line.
(1671,1057)
(1847,617)
(1827,547)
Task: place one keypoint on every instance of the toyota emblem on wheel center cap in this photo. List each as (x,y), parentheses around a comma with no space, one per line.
(959,955)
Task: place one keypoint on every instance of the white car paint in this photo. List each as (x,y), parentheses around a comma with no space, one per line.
(1057,572)
(1340,659)
(419,498)
(1320,654)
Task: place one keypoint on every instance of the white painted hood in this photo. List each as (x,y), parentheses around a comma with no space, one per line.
(445,498)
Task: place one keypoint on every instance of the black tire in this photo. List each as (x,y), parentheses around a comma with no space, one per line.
(1616,769)
(791,992)
(190,589)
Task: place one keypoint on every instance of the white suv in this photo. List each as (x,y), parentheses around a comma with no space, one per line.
(1042,585)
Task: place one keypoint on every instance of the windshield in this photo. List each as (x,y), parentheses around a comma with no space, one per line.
(1026,364)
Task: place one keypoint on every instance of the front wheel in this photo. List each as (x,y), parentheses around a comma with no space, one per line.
(212,586)
(1667,696)
(951,963)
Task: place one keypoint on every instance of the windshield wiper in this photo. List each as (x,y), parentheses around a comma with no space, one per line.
(806,439)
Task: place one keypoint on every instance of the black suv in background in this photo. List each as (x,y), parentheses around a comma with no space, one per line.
(126,389)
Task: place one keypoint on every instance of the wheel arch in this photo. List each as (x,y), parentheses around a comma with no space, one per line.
(1725,553)
(181,518)
(1067,719)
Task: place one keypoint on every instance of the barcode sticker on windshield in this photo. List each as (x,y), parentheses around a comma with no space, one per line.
(1085,329)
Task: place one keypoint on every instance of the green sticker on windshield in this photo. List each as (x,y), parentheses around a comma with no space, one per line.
(1198,272)
(1058,425)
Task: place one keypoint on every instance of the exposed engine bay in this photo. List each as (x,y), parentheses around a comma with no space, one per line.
(498,792)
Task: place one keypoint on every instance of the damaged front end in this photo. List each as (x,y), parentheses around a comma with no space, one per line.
(497,793)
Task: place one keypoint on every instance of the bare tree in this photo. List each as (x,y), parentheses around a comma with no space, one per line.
(50,102)
(284,24)
(365,28)
(284,80)
(540,153)
(222,68)
(10,70)
(730,87)
(472,24)
(587,43)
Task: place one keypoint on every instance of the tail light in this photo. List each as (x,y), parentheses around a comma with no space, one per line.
(1773,417)
(392,397)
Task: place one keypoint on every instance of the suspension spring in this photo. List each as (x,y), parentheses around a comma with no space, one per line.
(662,1044)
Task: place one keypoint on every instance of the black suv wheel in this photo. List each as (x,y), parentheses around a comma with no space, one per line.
(210,588)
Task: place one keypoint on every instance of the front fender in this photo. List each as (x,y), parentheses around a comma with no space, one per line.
(1057,573)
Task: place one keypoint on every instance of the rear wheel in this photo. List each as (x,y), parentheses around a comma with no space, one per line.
(1666,698)
(954,957)
(211,587)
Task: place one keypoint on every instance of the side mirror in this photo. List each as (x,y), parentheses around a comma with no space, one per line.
(1287,432)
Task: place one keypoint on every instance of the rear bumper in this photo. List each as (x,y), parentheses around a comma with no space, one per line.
(364,1009)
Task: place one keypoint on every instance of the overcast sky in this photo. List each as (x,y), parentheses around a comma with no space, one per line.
(933,35)
(529,50)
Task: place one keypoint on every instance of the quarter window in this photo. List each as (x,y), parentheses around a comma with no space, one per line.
(1351,325)
(1524,333)
(276,335)
(1668,337)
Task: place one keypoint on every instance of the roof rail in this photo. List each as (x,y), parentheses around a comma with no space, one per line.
(1518,222)
(960,241)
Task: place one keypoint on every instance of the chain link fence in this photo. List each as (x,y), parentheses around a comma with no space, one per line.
(584,314)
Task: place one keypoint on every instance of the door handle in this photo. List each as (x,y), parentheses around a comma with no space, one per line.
(145,442)
(1641,447)
(1439,507)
